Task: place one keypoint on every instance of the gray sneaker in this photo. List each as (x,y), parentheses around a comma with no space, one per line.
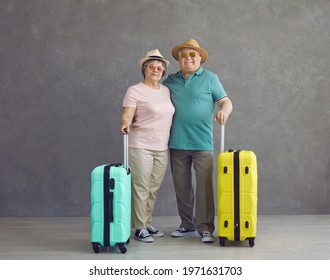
(180,232)
(206,237)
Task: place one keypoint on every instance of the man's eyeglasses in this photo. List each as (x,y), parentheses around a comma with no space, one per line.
(159,69)
(185,54)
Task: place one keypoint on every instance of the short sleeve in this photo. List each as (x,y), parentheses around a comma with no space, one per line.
(218,90)
(130,100)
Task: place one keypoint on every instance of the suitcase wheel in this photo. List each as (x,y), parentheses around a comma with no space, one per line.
(96,247)
(222,241)
(251,242)
(122,249)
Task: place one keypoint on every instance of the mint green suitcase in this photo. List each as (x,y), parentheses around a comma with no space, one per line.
(111,204)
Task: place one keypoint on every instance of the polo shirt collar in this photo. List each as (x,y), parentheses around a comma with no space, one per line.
(198,72)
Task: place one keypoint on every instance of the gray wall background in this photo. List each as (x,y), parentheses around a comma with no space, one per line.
(65,66)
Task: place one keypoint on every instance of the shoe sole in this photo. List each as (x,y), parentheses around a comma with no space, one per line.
(207,241)
(183,234)
(145,240)
(157,234)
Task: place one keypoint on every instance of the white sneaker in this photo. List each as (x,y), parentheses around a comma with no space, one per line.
(143,235)
(154,232)
(206,237)
(180,232)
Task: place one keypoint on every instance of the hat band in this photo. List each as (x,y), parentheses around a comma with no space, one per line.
(155,56)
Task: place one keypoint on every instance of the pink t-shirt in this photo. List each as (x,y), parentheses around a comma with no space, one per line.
(153,116)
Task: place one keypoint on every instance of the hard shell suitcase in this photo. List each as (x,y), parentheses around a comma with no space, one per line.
(111,204)
(237,195)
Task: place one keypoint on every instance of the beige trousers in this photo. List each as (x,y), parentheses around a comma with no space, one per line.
(148,171)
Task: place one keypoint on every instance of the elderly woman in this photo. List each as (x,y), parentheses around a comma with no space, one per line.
(147,118)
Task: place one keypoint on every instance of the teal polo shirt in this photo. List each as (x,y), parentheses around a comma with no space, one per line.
(194,101)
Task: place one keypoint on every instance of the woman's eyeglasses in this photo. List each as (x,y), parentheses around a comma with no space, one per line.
(159,69)
(185,54)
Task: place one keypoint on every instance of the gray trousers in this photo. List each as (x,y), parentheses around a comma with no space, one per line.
(202,198)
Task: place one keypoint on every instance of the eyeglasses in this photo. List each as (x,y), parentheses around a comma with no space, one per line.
(185,54)
(154,68)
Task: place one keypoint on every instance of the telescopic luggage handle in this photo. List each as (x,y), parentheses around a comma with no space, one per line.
(126,151)
(222,139)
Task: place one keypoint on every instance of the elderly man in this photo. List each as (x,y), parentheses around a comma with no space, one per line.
(194,93)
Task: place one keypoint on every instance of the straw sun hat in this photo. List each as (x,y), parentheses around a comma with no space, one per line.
(153,54)
(191,44)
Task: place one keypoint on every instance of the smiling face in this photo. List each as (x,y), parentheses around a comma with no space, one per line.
(153,70)
(189,60)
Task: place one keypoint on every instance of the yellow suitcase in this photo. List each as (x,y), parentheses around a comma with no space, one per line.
(237,195)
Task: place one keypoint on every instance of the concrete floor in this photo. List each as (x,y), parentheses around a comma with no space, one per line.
(54,247)
(303,237)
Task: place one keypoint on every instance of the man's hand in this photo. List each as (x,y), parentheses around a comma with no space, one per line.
(221,117)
